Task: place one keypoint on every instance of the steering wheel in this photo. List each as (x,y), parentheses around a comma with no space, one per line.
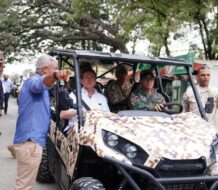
(167,108)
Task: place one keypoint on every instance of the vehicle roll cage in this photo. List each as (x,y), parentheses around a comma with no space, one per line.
(64,55)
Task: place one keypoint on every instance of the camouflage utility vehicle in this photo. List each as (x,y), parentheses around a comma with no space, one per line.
(130,149)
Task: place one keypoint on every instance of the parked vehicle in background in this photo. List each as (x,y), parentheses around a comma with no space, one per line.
(131,149)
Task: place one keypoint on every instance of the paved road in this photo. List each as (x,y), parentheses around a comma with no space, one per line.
(7,163)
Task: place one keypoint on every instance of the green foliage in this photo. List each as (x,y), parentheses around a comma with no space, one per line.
(41,25)
(4,4)
(204,15)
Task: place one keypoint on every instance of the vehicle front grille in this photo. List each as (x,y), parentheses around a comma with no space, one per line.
(185,186)
(181,168)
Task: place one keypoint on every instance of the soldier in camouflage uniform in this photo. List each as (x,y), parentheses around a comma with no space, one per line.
(145,97)
(118,91)
(208,96)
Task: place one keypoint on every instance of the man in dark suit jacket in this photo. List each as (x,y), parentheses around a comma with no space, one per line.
(1,87)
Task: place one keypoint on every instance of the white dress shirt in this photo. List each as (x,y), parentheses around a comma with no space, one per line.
(96,101)
(7,86)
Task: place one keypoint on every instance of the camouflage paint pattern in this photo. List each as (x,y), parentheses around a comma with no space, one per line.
(69,146)
(182,136)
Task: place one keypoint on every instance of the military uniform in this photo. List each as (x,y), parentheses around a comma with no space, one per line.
(141,101)
(118,95)
(190,103)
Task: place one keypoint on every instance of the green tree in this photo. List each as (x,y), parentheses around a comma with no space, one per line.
(4,4)
(204,15)
(40,25)
(158,21)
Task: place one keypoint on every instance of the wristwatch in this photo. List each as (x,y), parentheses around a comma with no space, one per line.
(55,75)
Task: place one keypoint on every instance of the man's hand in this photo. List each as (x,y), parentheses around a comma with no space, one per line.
(57,75)
(159,107)
(0,112)
(62,74)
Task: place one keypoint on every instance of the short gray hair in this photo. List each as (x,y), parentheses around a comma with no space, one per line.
(45,60)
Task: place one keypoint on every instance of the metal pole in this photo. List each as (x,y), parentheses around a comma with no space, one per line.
(78,91)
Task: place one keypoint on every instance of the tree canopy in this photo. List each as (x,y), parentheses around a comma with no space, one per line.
(4,4)
(31,26)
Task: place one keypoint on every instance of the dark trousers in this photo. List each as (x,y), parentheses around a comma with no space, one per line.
(6,98)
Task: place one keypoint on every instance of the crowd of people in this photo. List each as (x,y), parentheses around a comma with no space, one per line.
(34,106)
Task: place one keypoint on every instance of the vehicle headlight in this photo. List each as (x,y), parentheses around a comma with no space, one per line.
(112,139)
(132,151)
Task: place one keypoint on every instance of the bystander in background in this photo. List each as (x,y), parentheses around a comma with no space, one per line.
(8,87)
(208,96)
(1,86)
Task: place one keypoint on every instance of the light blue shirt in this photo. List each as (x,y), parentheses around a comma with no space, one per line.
(33,112)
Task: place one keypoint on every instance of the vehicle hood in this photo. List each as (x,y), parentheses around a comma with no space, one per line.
(180,137)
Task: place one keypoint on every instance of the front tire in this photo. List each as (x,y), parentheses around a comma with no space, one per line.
(44,175)
(87,183)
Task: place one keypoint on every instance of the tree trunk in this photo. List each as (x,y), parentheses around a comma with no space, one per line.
(209,41)
(166,45)
(202,38)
